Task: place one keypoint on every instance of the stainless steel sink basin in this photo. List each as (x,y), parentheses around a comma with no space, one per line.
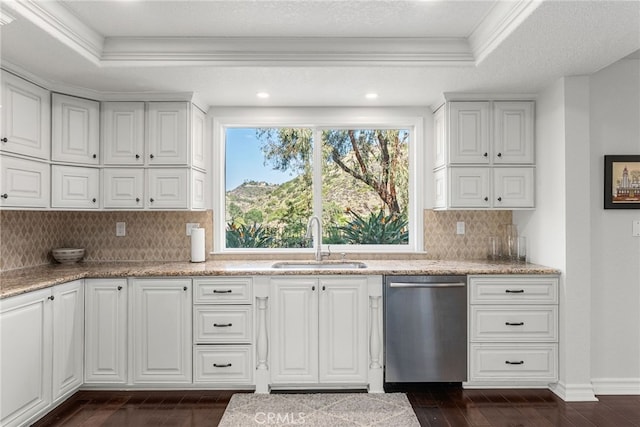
(322,265)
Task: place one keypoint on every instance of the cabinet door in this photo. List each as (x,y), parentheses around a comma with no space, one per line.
(440,188)
(294,337)
(513,187)
(343,330)
(513,132)
(24,183)
(440,137)
(105,331)
(26,118)
(123,133)
(75,129)
(469,132)
(25,362)
(68,338)
(168,188)
(470,187)
(75,187)
(123,188)
(198,185)
(168,133)
(162,341)
(198,147)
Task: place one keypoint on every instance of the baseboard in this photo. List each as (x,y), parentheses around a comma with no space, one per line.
(612,386)
(574,392)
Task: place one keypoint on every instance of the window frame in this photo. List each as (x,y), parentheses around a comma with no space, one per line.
(320,119)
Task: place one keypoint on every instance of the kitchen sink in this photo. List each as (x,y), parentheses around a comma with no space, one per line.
(319,265)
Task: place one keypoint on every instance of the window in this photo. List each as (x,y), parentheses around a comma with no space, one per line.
(359,179)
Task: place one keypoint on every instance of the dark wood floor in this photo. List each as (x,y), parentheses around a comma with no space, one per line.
(434,407)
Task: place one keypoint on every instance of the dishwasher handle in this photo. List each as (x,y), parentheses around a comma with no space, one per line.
(426,285)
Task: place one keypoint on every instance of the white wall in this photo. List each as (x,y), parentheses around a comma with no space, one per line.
(615,258)
(579,119)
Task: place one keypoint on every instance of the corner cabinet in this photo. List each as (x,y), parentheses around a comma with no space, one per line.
(513,331)
(484,155)
(320,331)
(41,351)
(161,331)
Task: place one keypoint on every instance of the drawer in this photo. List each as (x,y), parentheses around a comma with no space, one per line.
(514,323)
(222,364)
(222,324)
(222,290)
(493,362)
(513,290)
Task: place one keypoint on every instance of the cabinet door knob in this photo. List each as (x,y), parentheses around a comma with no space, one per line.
(499,199)
(324,288)
(151,156)
(151,200)
(4,140)
(486,199)
(313,288)
(499,154)
(94,200)
(184,288)
(5,196)
(137,156)
(51,298)
(485,155)
(137,199)
(119,288)
(95,156)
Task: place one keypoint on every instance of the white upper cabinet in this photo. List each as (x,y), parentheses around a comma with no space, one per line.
(168,188)
(167,133)
(198,147)
(75,187)
(26,118)
(24,183)
(123,133)
(513,132)
(75,130)
(123,188)
(484,155)
(469,132)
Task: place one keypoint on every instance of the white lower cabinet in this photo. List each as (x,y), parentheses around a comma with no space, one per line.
(106,331)
(319,330)
(513,331)
(41,348)
(161,331)
(223,332)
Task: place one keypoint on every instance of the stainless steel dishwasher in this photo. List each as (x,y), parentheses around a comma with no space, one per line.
(425,329)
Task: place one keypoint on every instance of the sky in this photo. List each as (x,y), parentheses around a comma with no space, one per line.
(245,161)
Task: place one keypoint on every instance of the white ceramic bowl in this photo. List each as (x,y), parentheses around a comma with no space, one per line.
(67,255)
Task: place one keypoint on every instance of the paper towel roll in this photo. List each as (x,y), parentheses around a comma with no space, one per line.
(197,245)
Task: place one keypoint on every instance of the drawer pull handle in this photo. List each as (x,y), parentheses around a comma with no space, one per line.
(227,291)
(514,291)
(222,325)
(514,323)
(520,362)
(226,365)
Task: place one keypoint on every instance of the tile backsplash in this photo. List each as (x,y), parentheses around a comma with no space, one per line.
(27,237)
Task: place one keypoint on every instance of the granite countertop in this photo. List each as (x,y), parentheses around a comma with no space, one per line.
(15,282)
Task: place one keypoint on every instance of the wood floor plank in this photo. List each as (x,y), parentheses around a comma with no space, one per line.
(435,406)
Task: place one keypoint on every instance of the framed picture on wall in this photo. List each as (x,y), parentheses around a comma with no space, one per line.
(622,182)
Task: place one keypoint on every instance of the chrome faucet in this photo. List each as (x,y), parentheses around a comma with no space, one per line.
(317,242)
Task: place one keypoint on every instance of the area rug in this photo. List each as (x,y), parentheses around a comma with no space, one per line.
(320,409)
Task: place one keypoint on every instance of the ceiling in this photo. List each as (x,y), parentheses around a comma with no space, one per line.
(311,52)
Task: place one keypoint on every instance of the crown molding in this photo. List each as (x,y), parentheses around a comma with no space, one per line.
(266,51)
(60,23)
(5,17)
(500,22)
